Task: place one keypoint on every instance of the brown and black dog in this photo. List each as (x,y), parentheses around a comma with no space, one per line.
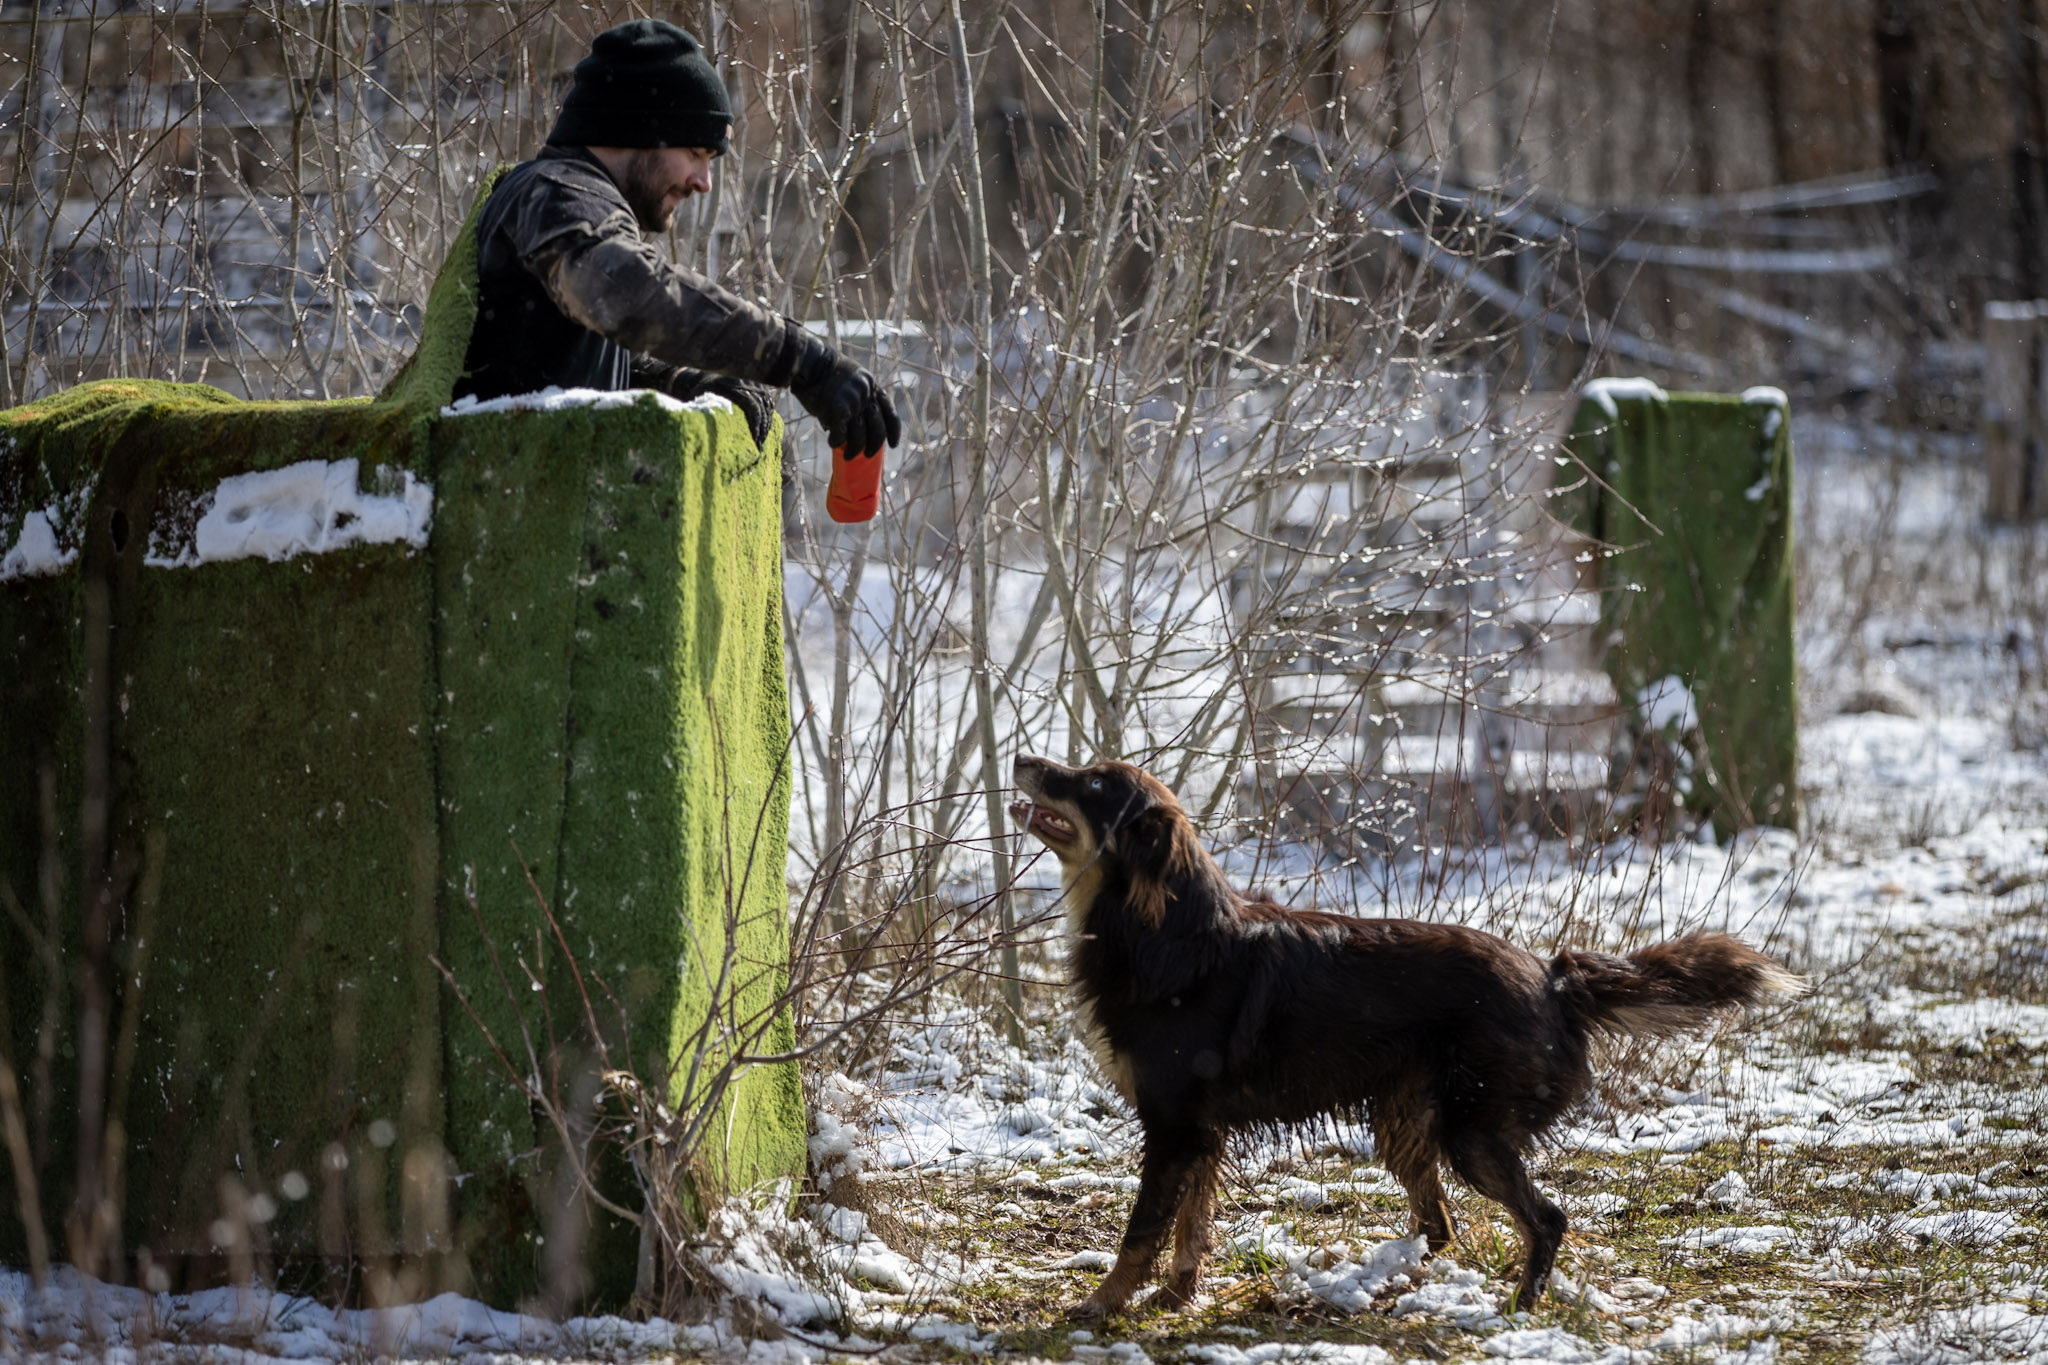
(1212,1013)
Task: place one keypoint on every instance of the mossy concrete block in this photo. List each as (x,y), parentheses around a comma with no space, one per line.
(382,681)
(615,716)
(1692,494)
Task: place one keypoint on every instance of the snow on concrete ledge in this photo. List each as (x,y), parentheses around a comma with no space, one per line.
(1772,397)
(553,398)
(1606,392)
(312,507)
(36,552)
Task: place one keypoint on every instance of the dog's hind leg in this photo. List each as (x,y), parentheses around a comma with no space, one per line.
(1489,1162)
(1403,1130)
(1194,1231)
(1174,1162)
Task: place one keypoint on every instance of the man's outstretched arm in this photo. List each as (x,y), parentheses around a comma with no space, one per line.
(614,282)
(611,280)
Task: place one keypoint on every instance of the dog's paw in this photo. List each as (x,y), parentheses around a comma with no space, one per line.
(1087,1310)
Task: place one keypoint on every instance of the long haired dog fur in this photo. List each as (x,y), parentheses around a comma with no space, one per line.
(1212,1013)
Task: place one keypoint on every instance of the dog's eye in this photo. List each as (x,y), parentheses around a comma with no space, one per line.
(1095,784)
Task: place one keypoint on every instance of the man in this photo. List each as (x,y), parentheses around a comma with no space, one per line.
(572,292)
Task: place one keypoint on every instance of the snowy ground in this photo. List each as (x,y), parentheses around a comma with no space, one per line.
(1861,1177)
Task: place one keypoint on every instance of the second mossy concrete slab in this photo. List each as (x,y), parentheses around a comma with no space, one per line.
(1691,496)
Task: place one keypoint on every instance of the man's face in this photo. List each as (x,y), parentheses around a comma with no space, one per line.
(656,179)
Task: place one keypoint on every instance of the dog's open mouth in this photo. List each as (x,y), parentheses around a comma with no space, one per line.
(1055,829)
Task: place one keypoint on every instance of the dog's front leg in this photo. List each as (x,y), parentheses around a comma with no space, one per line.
(1164,1182)
(1194,1230)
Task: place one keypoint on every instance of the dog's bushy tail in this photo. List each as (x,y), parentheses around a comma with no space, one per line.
(1671,987)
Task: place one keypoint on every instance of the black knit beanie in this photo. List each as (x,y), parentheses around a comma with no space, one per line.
(645,84)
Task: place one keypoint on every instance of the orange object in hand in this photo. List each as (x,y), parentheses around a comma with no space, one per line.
(856,486)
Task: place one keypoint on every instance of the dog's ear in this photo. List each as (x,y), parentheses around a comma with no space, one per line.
(1145,841)
(1149,847)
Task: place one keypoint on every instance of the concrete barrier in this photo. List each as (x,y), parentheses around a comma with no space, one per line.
(1691,494)
(313,697)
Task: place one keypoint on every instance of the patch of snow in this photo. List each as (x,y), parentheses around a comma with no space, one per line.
(1667,704)
(1817,1100)
(956,1336)
(1955,1023)
(1768,395)
(1087,1260)
(837,1145)
(1370,1180)
(1557,1345)
(1963,1227)
(1305,1194)
(1352,1285)
(1457,1295)
(1607,392)
(1687,1333)
(75,1316)
(1289,1353)
(2016,310)
(810,1273)
(1588,1294)
(1928,1187)
(1959,1336)
(956,1096)
(36,552)
(1093,1180)
(554,398)
(312,507)
(1335,1274)
(758,1248)
(1764,1352)
(1738,1241)
(1731,1191)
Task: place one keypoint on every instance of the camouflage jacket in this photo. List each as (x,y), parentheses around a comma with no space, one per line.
(571,293)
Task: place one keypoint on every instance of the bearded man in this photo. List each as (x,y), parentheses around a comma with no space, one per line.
(572,292)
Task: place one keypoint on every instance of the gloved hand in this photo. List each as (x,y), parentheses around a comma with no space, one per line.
(848,402)
(757,401)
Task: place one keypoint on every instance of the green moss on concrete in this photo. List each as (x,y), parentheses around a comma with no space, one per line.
(673,635)
(355,759)
(272,723)
(1695,494)
(273,734)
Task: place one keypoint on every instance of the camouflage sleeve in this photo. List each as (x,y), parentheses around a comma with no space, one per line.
(580,241)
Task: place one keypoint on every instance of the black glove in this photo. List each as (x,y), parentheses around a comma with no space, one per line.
(847,401)
(757,401)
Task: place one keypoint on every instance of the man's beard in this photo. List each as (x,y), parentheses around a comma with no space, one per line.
(643,195)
